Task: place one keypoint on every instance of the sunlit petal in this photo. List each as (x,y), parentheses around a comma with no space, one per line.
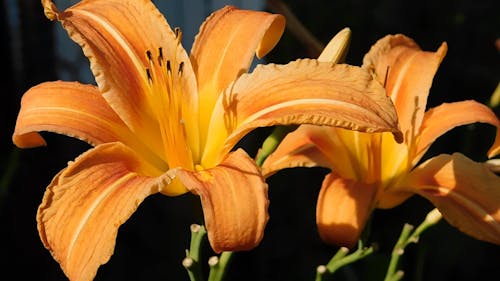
(116,36)
(225,48)
(407,73)
(68,108)
(465,192)
(86,203)
(301,92)
(445,117)
(74,110)
(234,200)
(343,209)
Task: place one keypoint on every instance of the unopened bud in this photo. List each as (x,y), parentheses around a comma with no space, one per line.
(337,48)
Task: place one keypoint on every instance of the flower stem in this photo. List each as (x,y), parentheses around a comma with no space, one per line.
(406,237)
(272,141)
(218,266)
(192,260)
(341,258)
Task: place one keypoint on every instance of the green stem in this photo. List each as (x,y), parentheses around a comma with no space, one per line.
(408,236)
(341,259)
(218,266)
(272,142)
(192,260)
(398,251)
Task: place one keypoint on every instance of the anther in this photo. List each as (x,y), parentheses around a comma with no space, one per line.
(178,34)
(148,74)
(169,68)
(150,57)
(160,55)
(181,67)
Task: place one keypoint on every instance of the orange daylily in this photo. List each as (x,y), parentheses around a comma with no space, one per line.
(162,121)
(371,171)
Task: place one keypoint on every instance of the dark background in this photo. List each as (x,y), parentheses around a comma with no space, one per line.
(150,246)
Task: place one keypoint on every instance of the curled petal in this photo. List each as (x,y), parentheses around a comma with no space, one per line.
(234,201)
(67,108)
(122,39)
(407,73)
(75,110)
(86,203)
(445,117)
(343,209)
(225,48)
(467,193)
(301,92)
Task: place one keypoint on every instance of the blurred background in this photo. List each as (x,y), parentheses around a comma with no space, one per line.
(151,245)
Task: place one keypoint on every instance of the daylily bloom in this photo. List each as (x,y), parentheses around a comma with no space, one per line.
(162,121)
(371,171)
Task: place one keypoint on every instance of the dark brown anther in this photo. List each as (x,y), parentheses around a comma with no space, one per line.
(181,67)
(160,56)
(148,74)
(150,57)
(169,68)
(178,34)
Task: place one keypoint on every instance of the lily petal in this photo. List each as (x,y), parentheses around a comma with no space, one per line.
(234,201)
(343,209)
(465,192)
(116,36)
(225,48)
(75,110)
(447,116)
(407,73)
(301,92)
(69,108)
(85,204)
(310,146)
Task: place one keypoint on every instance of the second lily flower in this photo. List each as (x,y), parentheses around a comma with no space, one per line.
(371,171)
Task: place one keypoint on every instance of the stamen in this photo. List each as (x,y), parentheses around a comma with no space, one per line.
(165,92)
(178,34)
(169,68)
(181,67)
(160,56)
(150,57)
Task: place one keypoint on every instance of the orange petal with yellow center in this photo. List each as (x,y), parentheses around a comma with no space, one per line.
(447,116)
(86,203)
(301,92)
(116,36)
(343,209)
(75,110)
(234,201)
(225,48)
(67,108)
(467,193)
(407,73)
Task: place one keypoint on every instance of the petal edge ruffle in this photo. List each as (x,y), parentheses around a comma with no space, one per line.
(86,203)
(465,192)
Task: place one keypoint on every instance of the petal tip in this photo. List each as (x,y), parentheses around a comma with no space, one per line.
(50,10)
